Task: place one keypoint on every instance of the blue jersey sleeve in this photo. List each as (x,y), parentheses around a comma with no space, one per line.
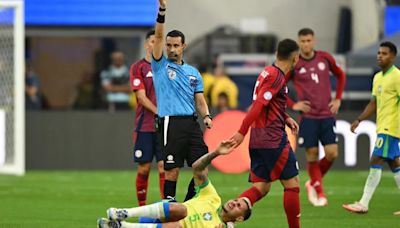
(200,85)
(157,65)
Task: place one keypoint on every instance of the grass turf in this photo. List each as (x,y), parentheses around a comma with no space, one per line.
(77,199)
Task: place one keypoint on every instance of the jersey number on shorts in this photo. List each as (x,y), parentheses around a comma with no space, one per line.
(379,142)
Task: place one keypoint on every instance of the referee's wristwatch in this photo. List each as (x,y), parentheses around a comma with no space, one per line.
(208,115)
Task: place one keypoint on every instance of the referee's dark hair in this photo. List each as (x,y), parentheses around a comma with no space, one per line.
(305,32)
(176,33)
(150,33)
(389,45)
(285,49)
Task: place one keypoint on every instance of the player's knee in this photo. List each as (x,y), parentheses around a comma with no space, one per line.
(332,155)
(144,169)
(177,211)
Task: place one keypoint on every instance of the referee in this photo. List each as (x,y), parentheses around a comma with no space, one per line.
(179,93)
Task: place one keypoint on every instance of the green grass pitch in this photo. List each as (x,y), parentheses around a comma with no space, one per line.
(77,199)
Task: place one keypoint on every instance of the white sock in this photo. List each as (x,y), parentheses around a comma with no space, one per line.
(137,225)
(155,210)
(372,182)
(397,179)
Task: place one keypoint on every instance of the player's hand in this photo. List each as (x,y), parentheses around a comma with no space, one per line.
(228,225)
(208,122)
(236,139)
(225,147)
(354,125)
(162,4)
(291,123)
(302,106)
(334,106)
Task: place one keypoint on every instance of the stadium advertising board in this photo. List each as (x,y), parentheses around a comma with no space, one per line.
(238,161)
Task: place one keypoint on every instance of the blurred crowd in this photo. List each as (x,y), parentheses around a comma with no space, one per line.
(109,89)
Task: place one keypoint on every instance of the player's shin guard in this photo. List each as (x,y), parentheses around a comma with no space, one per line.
(324,165)
(140,225)
(253,194)
(397,176)
(291,202)
(191,192)
(316,177)
(141,188)
(161,183)
(169,189)
(372,182)
(158,210)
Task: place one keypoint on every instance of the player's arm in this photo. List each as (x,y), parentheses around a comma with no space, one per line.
(202,109)
(368,111)
(200,172)
(145,101)
(159,31)
(301,106)
(341,82)
(269,88)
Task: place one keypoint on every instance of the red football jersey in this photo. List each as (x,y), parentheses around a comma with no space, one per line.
(311,78)
(142,78)
(268,125)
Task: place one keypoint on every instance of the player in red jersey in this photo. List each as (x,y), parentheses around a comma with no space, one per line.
(311,78)
(146,144)
(271,155)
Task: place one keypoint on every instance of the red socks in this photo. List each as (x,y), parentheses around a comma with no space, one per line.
(324,166)
(161,183)
(316,177)
(291,202)
(141,188)
(252,194)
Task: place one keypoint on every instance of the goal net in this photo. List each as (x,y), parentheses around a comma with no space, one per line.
(12,88)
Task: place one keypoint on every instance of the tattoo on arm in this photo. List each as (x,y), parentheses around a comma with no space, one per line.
(204,161)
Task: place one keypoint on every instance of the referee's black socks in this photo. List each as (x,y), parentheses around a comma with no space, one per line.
(170,190)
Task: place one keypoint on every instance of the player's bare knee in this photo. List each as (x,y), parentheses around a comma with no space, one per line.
(172,174)
(144,169)
(331,156)
(177,211)
(160,166)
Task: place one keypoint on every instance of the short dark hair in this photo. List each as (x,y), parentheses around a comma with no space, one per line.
(247,213)
(389,45)
(305,32)
(150,33)
(285,48)
(176,33)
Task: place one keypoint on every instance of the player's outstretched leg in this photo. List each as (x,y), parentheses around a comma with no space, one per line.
(372,182)
(162,210)
(105,223)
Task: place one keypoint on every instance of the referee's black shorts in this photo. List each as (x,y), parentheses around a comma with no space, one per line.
(181,139)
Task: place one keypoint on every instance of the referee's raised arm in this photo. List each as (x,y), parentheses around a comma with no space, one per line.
(159,31)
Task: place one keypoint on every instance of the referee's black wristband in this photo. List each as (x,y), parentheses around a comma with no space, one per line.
(161,9)
(160,18)
(208,115)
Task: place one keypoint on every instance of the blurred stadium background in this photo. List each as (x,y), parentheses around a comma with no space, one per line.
(76,149)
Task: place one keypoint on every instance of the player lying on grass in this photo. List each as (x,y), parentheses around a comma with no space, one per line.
(204,210)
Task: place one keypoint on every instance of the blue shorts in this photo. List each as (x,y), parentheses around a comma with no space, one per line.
(387,147)
(268,165)
(146,147)
(314,130)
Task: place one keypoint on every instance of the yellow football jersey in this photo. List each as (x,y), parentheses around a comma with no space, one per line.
(203,209)
(386,90)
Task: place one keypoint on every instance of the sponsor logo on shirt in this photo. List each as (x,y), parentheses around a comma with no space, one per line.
(149,74)
(264,74)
